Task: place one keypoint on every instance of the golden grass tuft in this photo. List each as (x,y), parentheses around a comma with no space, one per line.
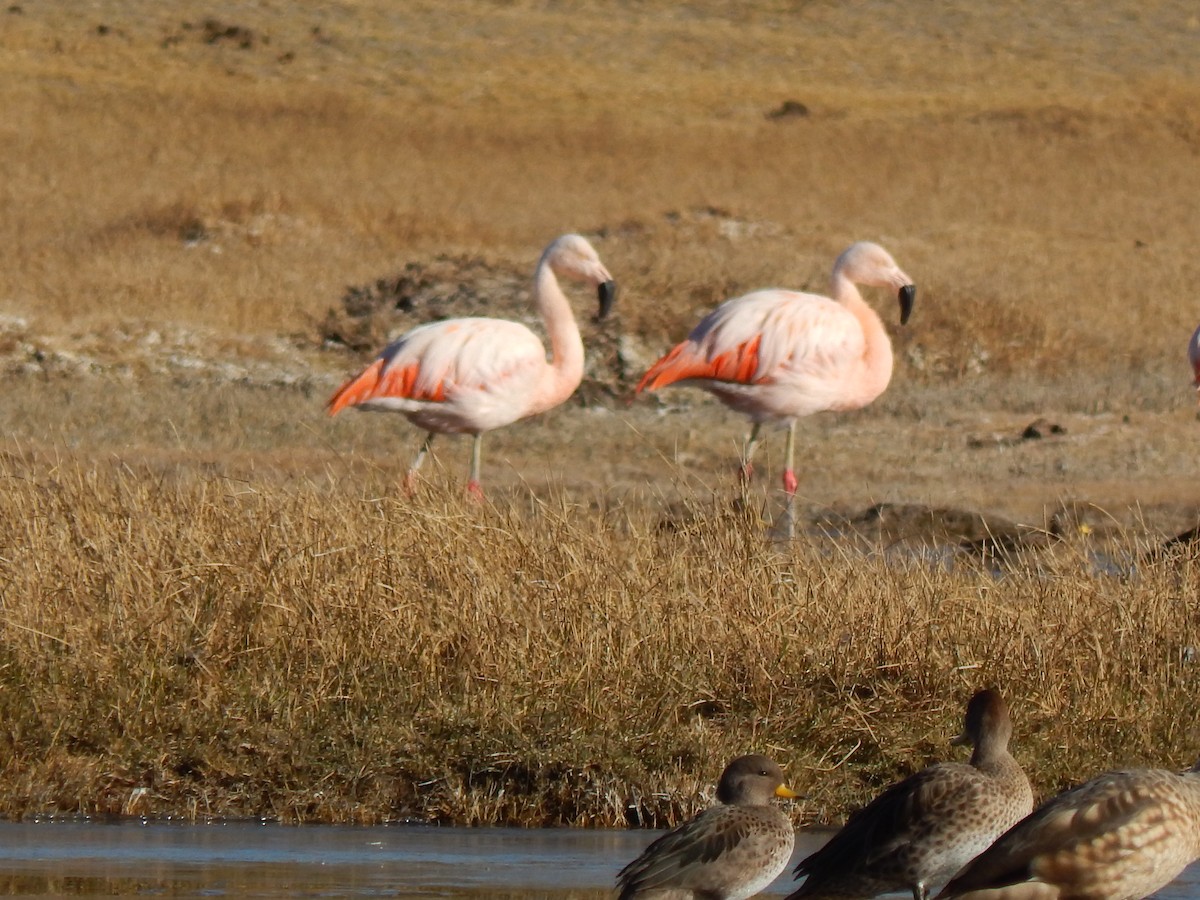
(309,652)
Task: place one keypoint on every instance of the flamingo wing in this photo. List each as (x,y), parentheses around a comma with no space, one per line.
(433,363)
(761,336)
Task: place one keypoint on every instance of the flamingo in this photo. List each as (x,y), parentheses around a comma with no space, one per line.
(1121,836)
(471,375)
(1194,357)
(777,355)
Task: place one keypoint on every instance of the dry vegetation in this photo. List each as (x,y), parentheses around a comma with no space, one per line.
(209,592)
(181,644)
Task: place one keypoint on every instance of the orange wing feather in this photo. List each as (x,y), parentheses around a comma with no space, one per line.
(737,365)
(377,380)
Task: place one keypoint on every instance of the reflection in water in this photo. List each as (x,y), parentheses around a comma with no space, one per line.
(272,861)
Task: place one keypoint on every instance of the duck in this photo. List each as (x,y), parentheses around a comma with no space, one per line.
(1121,836)
(921,831)
(730,851)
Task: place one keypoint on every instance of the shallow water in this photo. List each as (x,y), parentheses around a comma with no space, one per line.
(61,859)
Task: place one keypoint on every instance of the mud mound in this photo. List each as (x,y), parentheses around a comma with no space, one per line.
(368,316)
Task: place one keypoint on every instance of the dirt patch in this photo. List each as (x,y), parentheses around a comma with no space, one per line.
(136,352)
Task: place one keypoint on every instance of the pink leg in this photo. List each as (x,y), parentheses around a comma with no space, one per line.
(789,473)
(789,482)
(410,478)
(474,488)
(747,466)
(785,525)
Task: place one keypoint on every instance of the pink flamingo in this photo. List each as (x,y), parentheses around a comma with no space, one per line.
(468,376)
(1194,357)
(776,355)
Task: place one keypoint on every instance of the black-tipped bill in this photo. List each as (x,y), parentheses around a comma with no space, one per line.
(608,296)
(908,294)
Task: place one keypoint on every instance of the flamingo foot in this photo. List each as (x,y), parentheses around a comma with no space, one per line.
(746,471)
(475,491)
(410,482)
(790,483)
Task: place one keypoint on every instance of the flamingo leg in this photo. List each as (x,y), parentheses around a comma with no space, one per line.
(785,526)
(748,453)
(410,479)
(789,473)
(473,486)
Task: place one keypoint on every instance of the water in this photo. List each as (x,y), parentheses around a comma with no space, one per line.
(246,860)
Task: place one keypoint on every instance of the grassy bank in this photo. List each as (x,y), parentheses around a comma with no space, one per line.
(181,643)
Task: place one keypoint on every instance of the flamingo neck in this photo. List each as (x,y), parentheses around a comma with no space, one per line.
(876,368)
(565,370)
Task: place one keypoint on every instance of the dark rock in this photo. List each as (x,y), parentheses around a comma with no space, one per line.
(789,109)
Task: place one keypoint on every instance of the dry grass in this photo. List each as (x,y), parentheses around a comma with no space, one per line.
(211,593)
(1044,206)
(310,651)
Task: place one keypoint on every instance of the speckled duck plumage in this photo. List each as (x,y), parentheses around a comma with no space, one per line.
(921,831)
(728,852)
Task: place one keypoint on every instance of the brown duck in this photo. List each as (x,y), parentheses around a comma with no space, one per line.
(1120,836)
(728,852)
(921,831)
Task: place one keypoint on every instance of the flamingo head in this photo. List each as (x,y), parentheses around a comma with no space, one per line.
(571,256)
(867,263)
